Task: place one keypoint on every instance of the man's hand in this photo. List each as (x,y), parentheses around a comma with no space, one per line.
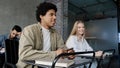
(2,50)
(60,51)
(70,51)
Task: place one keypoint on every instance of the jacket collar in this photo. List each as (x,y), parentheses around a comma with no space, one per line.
(52,30)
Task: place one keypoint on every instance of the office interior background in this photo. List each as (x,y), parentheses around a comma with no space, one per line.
(102,19)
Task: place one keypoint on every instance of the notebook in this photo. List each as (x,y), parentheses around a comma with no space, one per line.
(60,63)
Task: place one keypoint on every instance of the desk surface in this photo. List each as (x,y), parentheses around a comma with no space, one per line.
(90,37)
(78,62)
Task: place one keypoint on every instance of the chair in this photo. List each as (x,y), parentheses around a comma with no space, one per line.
(11,53)
(67,54)
(75,53)
(106,56)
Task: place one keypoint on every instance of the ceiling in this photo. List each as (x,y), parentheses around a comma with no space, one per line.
(93,9)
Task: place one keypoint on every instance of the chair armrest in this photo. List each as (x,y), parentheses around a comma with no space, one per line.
(109,53)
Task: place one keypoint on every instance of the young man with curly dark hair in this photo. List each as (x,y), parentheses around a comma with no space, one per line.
(41,40)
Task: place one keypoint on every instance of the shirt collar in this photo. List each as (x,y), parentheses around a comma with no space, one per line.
(52,30)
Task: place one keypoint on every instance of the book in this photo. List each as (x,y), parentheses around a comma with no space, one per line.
(60,63)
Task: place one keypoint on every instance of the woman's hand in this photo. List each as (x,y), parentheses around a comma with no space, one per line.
(98,53)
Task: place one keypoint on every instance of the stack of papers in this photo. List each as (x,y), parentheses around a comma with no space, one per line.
(60,63)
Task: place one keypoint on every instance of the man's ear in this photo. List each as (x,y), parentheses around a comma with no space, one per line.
(40,16)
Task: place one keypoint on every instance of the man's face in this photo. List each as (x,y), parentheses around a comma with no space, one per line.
(14,34)
(49,19)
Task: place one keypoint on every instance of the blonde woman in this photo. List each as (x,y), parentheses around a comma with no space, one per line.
(77,39)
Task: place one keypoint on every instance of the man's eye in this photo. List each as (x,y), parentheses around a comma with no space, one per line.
(51,14)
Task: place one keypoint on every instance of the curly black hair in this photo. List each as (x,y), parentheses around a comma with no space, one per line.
(42,9)
(17,28)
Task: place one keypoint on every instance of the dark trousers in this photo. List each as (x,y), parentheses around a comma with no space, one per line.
(2,60)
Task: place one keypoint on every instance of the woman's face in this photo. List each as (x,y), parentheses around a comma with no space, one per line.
(80,29)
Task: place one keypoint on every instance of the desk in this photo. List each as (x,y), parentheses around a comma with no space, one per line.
(78,60)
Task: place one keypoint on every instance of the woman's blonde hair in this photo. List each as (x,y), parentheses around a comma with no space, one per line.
(74,29)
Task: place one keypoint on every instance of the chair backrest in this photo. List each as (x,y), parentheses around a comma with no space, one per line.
(11,53)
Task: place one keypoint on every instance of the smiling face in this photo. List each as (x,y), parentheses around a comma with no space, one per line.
(49,19)
(80,28)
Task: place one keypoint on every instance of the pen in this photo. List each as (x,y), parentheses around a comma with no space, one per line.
(69,49)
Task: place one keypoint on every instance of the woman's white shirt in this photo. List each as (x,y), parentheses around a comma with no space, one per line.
(78,45)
